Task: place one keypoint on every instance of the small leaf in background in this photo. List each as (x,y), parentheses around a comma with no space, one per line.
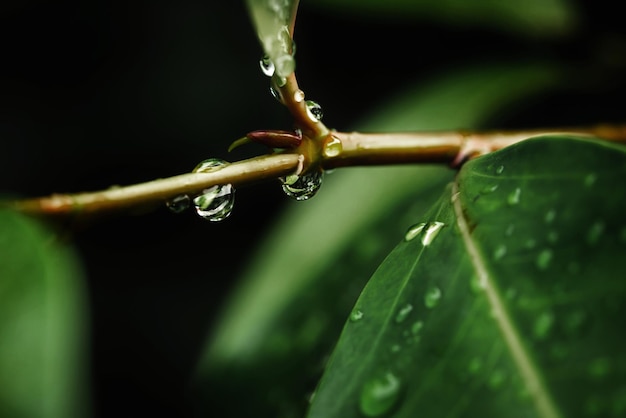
(512,304)
(43,315)
(534,18)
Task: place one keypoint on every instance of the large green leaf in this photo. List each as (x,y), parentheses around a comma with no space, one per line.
(43,367)
(507,299)
(300,286)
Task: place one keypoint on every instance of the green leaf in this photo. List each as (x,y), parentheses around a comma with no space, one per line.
(527,18)
(42,324)
(507,299)
(301,284)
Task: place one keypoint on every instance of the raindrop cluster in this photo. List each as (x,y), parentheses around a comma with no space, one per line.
(214,203)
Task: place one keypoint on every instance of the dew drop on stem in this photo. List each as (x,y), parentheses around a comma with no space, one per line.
(314,111)
(215,203)
(209,165)
(179,203)
(305,186)
(267,66)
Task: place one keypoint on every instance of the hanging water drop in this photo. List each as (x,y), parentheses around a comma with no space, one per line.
(333,147)
(314,111)
(431,232)
(432,297)
(404,312)
(276,94)
(414,231)
(179,203)
(215,203)
(303,187)
(267,66)
(379,395)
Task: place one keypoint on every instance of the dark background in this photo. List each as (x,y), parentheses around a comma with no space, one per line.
(94,94)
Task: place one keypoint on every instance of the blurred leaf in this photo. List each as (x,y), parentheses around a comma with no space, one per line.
(530,18)
(512,306)
(301,284)
(42,324)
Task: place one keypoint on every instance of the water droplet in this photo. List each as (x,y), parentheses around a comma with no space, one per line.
(590,179)
(432,297)
(477,285)
(267,66)
(550,215)
(179,203)
(210,165)
(276,94)
(595,232)
(417,327)
(414,231)
(496,379)
(514,197)
(500,169)
(599,367)
(379,395)
(543,325)
(543,259)
(530,243)
(333,147)
(404,312)
(298,96)
(431,232)
(509,230)
(499,252)
(356,315)
(215,203)
(489,189)
(314,111)
(553,237)
(475,365)
(303,187)
(396,348)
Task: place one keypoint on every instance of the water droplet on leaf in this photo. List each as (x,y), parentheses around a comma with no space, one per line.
(314,111)
(417,327)
(595,232)
(499,252)
(414,231)
(379,395)
(356,315)
(550,215)
(215,203)
(333,147)
(305,186)
(544,258)
(432,297)
(514,197)
(179,203)
(489,189)
(500,169)
(431,232)
(543,325)
(404,312)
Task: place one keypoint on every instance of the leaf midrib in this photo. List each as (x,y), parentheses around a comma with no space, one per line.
(544,403)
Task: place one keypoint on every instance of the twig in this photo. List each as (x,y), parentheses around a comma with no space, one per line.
(349,149)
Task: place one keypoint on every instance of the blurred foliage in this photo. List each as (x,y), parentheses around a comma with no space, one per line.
(103,93)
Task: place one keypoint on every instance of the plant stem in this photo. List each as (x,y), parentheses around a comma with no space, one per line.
(452,148)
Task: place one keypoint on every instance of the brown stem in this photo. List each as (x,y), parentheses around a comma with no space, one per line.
(451,148)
